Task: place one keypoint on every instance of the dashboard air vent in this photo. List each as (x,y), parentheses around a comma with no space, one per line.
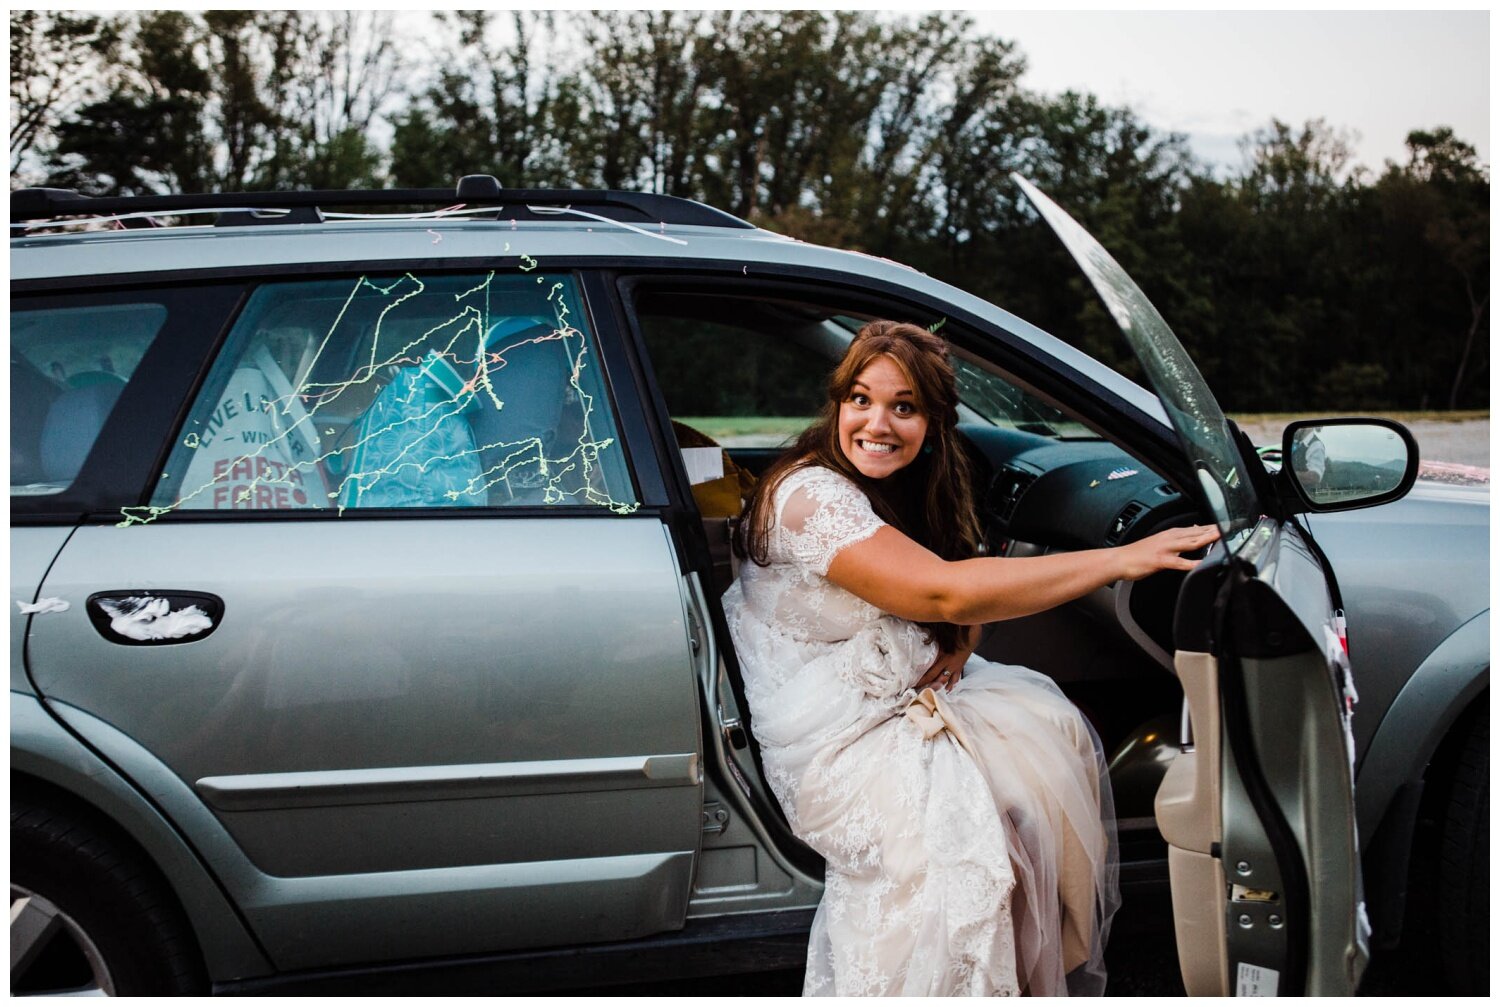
(1122,522)
(1006,491)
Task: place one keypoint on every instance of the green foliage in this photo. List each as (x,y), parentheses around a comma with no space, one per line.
(1431,270)
(491,109)
(775,379)
(1357,386)
(231,100)
(55,57)
(1291,281)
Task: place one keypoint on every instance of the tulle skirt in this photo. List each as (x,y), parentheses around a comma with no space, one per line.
(970,846)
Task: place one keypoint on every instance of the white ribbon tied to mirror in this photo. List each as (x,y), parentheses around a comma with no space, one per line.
(151,618)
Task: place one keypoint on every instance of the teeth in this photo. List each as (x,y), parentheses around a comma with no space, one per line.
(879,449)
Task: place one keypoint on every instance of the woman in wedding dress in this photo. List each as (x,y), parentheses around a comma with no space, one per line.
(961,806)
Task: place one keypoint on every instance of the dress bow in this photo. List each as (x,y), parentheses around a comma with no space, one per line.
(933,715)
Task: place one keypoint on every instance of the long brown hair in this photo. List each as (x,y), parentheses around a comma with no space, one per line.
(931,500)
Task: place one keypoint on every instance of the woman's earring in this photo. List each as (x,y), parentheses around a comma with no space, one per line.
(927,448)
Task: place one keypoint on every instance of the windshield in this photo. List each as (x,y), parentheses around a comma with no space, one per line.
(1003,404)
(1195,414)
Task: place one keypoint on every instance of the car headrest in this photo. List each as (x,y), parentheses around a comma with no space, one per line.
(73,423)
(31,394)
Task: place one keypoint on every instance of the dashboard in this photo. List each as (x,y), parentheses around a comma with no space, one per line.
(1066,494)
(1041,494)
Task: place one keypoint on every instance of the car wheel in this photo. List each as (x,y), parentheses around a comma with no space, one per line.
(88,914)
(1463,866)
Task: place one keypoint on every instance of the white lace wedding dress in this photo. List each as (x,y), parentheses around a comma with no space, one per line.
(967,834)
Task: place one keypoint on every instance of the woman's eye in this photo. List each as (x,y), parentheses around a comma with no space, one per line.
(906,408)
(860,400)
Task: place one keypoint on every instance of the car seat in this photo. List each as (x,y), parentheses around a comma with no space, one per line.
(31,396)
(531,378)
(73,423)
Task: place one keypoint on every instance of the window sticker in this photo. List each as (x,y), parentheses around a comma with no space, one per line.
(1255,981)
(256,449)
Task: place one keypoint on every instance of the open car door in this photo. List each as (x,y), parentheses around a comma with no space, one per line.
(1258,810)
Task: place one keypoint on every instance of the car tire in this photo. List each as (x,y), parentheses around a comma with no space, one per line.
(88,913)
(1463,864)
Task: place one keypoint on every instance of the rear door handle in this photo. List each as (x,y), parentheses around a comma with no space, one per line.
(154,618)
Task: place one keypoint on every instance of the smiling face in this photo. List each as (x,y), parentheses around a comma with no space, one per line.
(880,428)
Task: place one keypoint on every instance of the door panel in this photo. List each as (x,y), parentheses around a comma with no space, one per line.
(31,552)
(1309,780)
(1189,814)
(1187,804)
(387,699)
(310,922)
(1258,815)
(1198,916)
(1290,746)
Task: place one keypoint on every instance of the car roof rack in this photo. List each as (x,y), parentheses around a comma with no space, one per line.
(36,208)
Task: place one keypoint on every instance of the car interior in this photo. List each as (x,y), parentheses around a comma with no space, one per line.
(747,372)
(65,380)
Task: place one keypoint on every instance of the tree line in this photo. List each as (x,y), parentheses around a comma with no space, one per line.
(1295,280)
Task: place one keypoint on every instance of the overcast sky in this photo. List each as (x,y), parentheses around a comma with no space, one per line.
(1217,76)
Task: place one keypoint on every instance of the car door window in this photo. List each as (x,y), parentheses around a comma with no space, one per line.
(1200,424)
(68,367)
(404,391)
(740,382)
(751,372)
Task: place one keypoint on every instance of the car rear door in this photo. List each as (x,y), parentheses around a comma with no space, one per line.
(399,638)
(1258,812)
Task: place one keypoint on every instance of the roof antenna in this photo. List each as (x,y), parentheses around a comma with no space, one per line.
(476,188)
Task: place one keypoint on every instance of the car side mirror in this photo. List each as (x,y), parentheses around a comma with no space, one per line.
(1345,464)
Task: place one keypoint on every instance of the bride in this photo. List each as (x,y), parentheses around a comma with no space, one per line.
(961,806)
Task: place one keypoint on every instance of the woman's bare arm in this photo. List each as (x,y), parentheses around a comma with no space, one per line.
(899,576)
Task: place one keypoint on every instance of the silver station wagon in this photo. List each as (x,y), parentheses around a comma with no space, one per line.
(366,634)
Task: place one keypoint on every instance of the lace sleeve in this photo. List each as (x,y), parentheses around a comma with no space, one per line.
(819,513)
